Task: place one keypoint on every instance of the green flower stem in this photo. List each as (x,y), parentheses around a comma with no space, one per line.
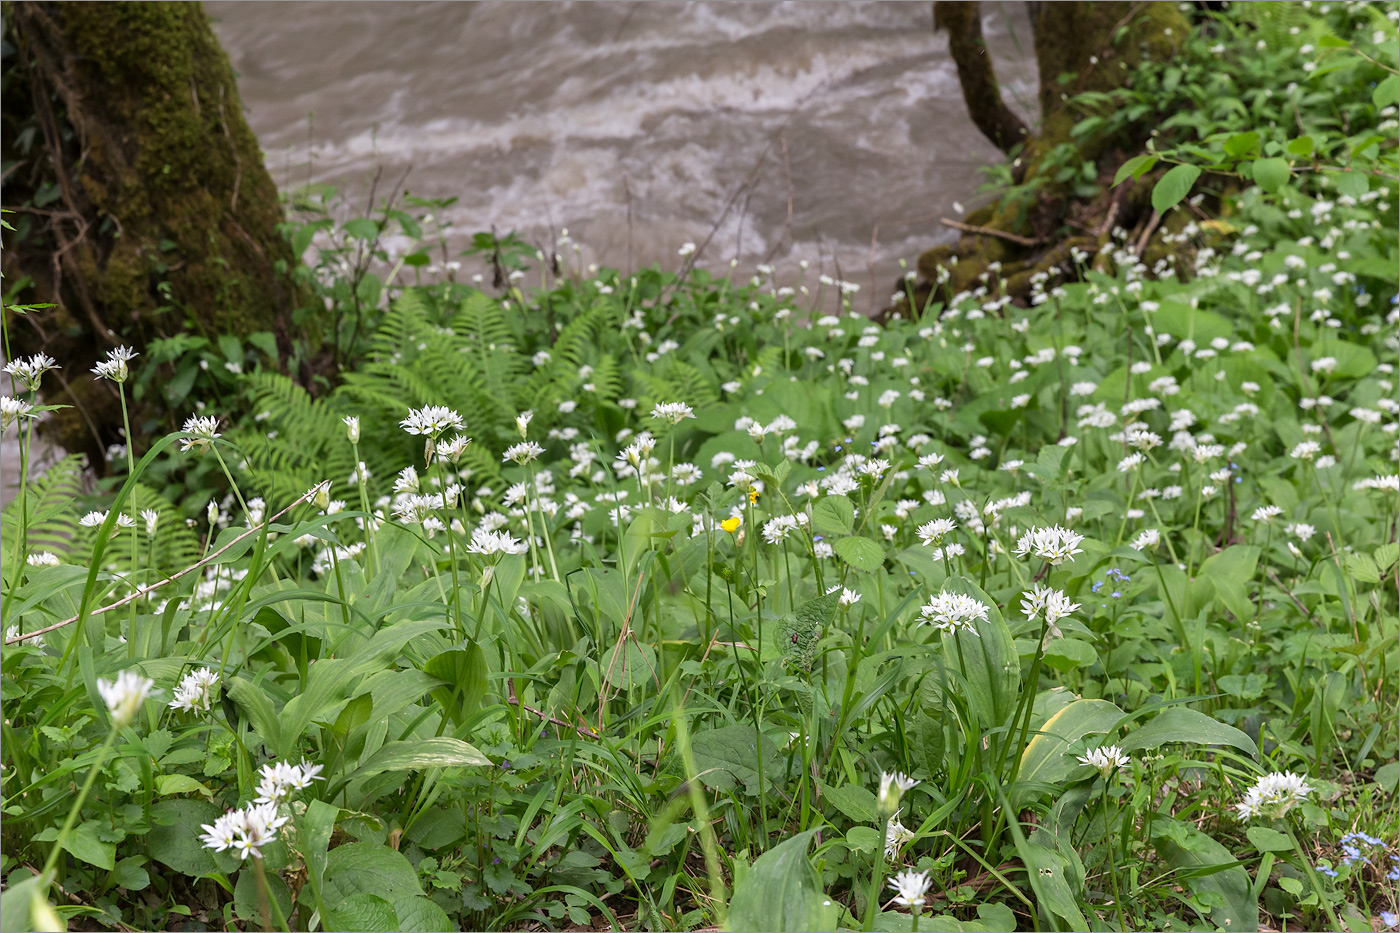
(1112,862)
(22,548)
(364,507)
(1312,876)
(877,878)
(266,901)
(78,804)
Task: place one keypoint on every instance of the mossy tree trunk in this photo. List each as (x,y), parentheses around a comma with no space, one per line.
(143,208)
(1080,47)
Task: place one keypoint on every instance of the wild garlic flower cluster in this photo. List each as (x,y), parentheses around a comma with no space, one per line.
(954,612)
(910,887)
(195,690)
(1273,795)
(278,780)
(1106,759)
(114,368)
(29,372)
(124,695)
(244,831)
(1054,544)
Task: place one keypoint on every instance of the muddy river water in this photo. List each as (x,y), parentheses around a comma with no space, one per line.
(834,132)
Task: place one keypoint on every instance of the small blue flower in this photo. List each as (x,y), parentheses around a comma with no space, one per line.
(1325,868)
(1096,586)
(1390,919)
(1115,594)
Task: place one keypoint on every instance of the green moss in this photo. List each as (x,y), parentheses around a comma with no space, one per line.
(172,182)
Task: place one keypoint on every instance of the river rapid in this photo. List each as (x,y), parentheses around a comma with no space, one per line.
(830,132)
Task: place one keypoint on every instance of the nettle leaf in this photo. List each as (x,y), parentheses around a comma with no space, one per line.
(728,755)
(1174,187)
(861,553)
(833,515)
(361,912)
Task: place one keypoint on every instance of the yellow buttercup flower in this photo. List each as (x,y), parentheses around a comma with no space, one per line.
(753,496)
(731,525)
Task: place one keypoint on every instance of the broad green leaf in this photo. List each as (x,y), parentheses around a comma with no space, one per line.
(130,874)
(361,228)
(728,755)
(1271,174)
(174,837)
(1136,167)
(861,553)
(781,891)
(1173,187)
(993,669)
(248,906)
(314,829)
(1183,724)
(1229,573)
(1242,145)
(1053,876)
(1387,92)
(330,682)
(631,664)
(1198,860)
(1353,360)
(418,914)
(1181,320)
(83,842)
(1269,840)
(855,801)
(864,839)
(170,784)
(360,913)
(464,670)
(253,701)
(1047,758)
(364,867)
(1302,147)
(420,754)
(833,515)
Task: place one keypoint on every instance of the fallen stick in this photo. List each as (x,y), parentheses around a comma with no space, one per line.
(990,231)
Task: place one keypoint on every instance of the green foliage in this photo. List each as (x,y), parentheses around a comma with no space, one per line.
(650,675)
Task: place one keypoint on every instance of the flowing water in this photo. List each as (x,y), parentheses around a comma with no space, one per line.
(831,132)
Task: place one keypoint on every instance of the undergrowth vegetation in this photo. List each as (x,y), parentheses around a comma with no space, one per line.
(655,601)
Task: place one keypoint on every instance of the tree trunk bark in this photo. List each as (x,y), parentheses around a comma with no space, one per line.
(1080,46)
(963,22)
(143,207)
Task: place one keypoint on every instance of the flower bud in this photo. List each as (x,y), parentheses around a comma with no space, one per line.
(352,428)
